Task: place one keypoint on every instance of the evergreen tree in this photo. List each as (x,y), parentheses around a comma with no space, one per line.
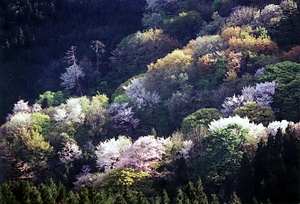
(235,199)
(142,199)
(97,196)
(180,197)
(84,197)
(72,198)
(215,199)
(120,198)
(35,196)
(191,193)
(61,197)
(47,195)
(165,198)
(157,200)
(131,196)
(7,196)
(202,198)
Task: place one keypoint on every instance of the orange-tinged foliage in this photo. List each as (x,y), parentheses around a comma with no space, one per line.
(265,46)
(233,64)
(231,32)
(235,43)
(206,61)
(242,39)
(246,42)
(293,54)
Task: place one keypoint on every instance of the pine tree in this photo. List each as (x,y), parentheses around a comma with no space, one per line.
(165,197)
(202,198)
(84,197)
(254,201)
(142,199)
(215,199)
(72,198)
(120,198)
(70,78)
(61,197)
(157,200)
(180,197)
(7,196)
(35,195)
(191,193)
(235,199)
(131,196)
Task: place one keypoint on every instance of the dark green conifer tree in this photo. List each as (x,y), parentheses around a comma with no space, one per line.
(48,196)
(120,198)
(7,196)
(131,196)
(84,196)
(72,198)
(165,198)
(215,199)
(61,197)
(191,193)
(180,197)
(235,199)
(202,198)
(142,199)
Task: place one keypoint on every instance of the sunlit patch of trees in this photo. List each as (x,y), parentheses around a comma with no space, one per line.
(185,102)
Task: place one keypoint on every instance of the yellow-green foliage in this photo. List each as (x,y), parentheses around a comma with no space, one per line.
(35,141)
(121,179)
(100,100)
(41,122)
(178,59)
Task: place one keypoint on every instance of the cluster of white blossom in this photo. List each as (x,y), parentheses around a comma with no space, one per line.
(122,116)
(185,150)
(69,112)
(139,95)
(207,44)
(109,152)
(70,78)
(232,103)
(69,152)
(258,73)
(255,130)
(288,6)
(144,153)
(87,180)
(269,16)
(19,122)
(22,107)
(262,94)
(275,126)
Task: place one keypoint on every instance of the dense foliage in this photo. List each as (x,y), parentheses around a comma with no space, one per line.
(152,101)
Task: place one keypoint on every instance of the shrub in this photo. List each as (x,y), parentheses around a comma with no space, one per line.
(256,113)
(202,117)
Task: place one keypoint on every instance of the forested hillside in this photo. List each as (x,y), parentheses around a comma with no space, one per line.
(156,101)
